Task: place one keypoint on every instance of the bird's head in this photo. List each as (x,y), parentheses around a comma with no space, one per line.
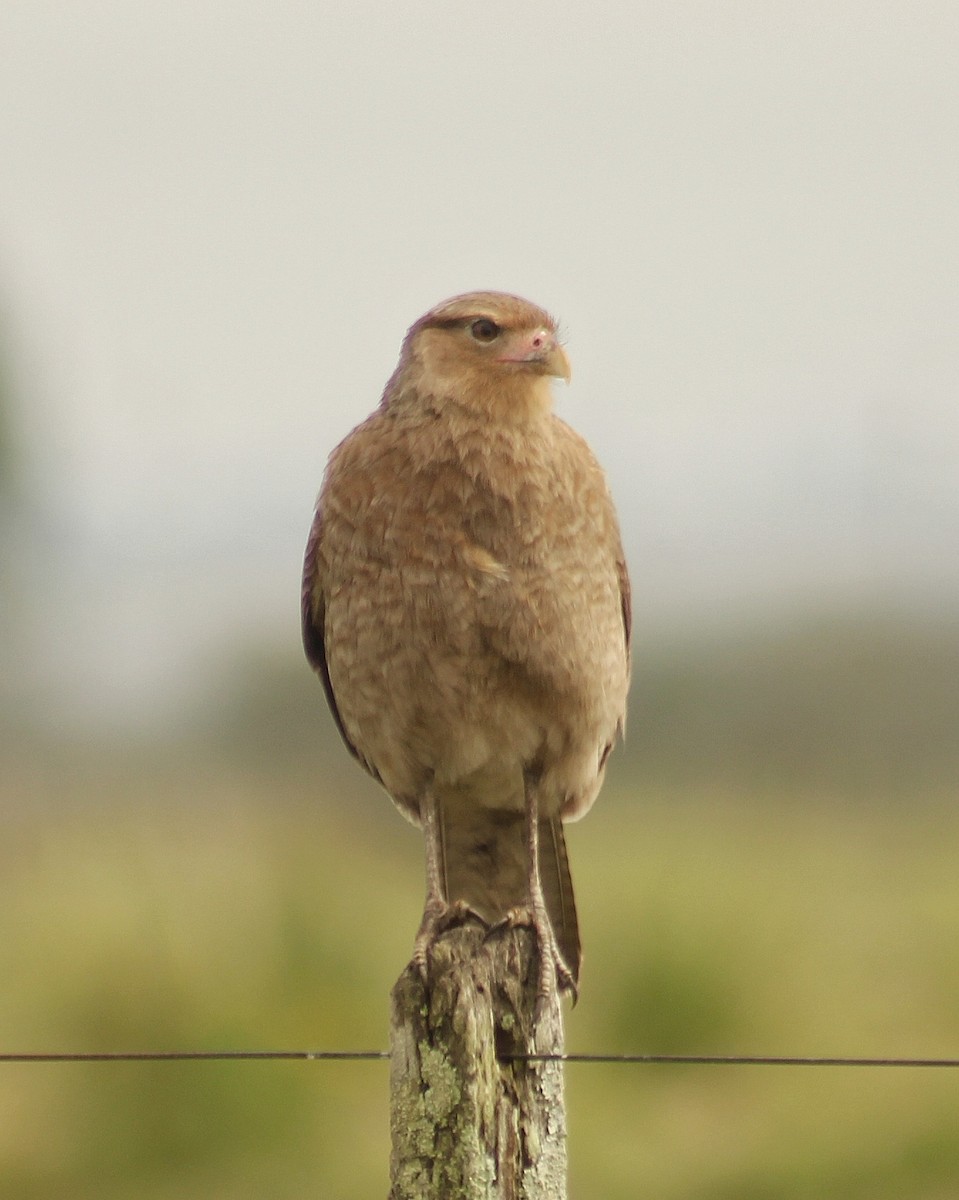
(486,350)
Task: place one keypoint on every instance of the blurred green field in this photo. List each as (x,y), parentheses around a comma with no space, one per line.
(251,890)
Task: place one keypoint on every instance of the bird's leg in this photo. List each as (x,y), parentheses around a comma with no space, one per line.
(438,913)
(435,908)
(552,968)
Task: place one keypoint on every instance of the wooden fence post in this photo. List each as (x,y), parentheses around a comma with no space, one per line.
(467,1123)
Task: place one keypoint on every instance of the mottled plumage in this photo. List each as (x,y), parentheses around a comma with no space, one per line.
(466,604)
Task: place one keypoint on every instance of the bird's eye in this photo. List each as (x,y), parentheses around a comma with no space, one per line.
(485,330)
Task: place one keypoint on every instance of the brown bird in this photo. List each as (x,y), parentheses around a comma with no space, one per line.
(466,604)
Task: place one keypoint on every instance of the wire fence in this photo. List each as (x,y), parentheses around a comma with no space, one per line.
(699,1060)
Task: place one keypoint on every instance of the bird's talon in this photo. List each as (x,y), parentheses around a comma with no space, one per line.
(516,918)
(553,973)
(437,919)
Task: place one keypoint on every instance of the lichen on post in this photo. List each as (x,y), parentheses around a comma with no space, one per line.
(468,1120)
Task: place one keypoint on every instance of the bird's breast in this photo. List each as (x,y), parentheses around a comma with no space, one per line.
(472,610)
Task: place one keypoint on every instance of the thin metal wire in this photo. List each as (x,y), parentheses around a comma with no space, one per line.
(701,1060)
(199,1056)
(740,1060)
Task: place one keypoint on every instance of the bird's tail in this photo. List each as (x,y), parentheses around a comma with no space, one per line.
(558,892)
(484,864)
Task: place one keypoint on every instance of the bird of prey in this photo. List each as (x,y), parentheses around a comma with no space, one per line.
(466,605)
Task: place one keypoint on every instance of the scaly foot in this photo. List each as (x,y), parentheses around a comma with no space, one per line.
(552,971)
(438,916)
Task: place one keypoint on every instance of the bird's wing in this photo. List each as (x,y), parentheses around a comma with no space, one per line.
(312,617)
(625,597)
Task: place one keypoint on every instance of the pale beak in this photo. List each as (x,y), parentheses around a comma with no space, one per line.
(557,363)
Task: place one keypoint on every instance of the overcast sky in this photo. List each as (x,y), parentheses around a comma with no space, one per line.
(218,219)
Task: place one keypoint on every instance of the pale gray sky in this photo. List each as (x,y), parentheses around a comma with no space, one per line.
(217,220)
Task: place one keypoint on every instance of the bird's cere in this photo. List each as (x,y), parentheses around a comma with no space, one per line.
(540,347)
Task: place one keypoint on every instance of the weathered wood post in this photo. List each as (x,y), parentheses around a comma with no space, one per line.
(468,1123)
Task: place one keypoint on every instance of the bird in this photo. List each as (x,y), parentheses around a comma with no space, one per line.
(466,605)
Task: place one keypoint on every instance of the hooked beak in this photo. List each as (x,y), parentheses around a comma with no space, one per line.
(556,363)
(544,354)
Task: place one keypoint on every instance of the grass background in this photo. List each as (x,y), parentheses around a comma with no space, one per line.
(771,870)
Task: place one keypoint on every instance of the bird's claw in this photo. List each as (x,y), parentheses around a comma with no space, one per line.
(552,971)
(437,918)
